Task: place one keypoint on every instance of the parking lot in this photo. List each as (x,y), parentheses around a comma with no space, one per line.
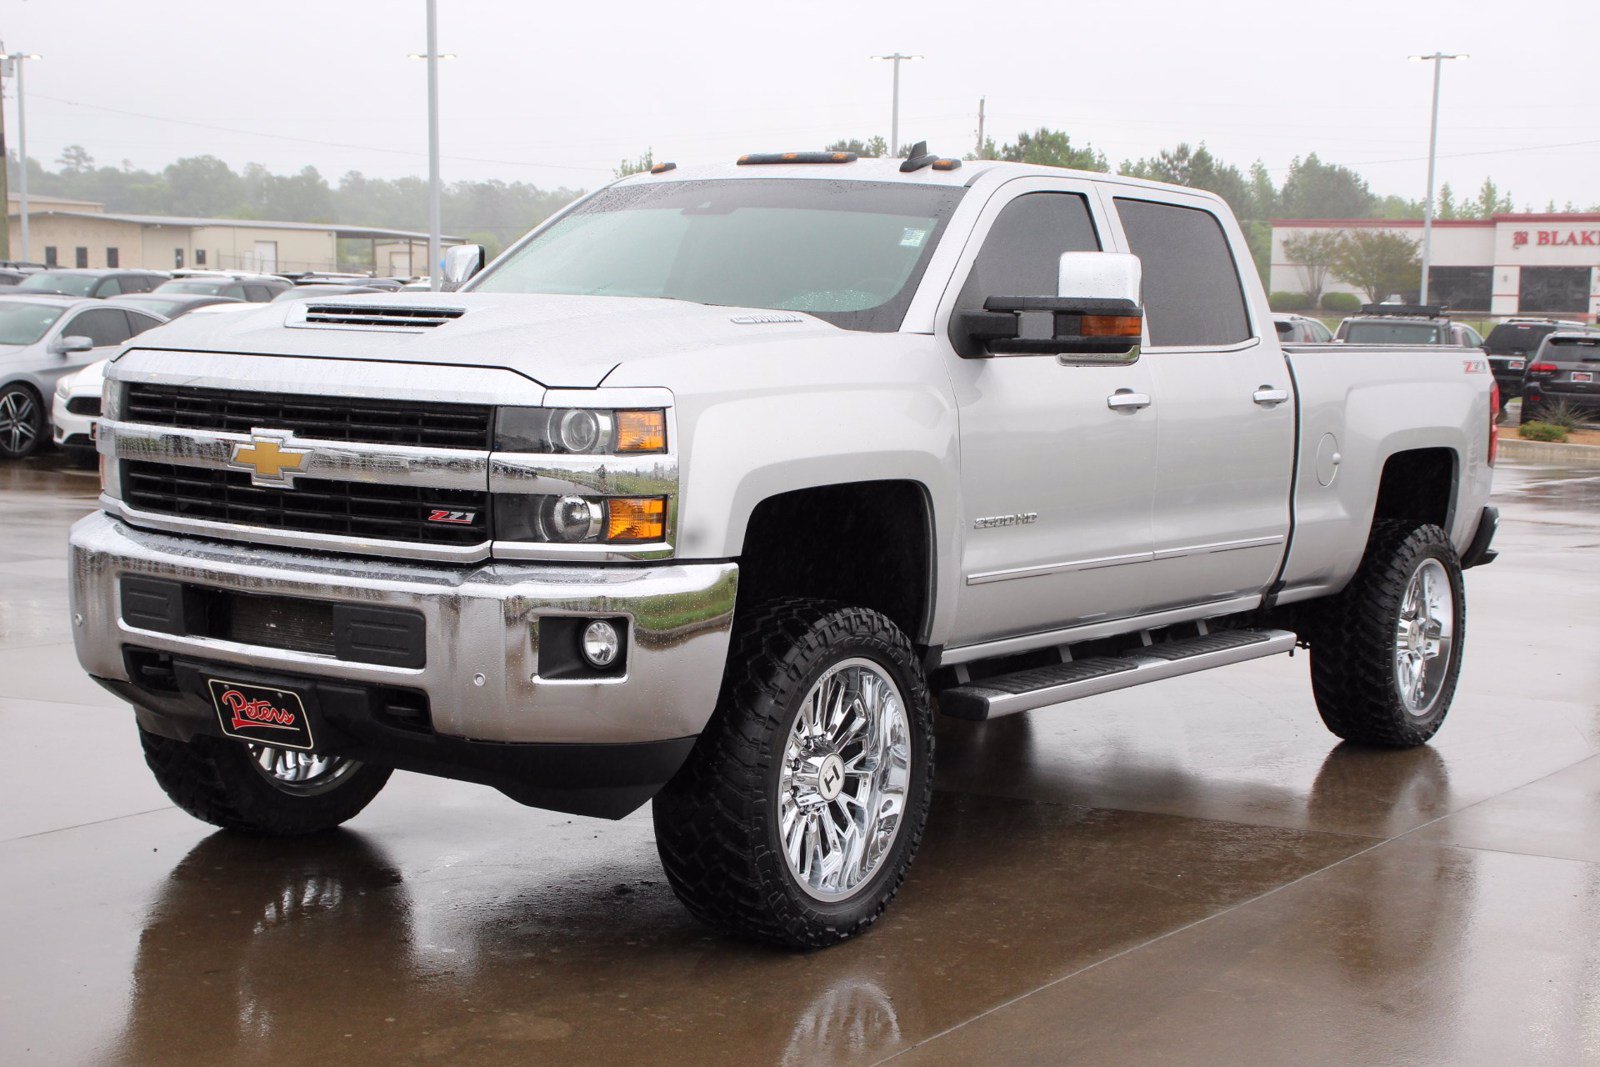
(1194,872)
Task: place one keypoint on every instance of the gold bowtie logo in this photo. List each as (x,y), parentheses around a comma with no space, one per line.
(268,459)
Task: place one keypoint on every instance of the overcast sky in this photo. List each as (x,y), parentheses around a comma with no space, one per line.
(556,93)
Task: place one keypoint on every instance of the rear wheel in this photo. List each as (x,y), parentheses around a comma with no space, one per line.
(260,789)
(22,423)
(799,811)
(1387,651)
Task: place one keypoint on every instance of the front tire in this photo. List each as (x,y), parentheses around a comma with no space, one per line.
(22,422)
(258,789)
(1386,652)
(799,811)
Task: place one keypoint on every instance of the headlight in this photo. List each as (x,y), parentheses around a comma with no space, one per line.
(64,386)
(580,431)
(575,520)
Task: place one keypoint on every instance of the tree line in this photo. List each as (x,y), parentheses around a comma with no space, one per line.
(494,213)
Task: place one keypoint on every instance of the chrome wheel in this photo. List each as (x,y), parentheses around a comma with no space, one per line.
(19,422)
(1423,637)
(846,772)
(302,774)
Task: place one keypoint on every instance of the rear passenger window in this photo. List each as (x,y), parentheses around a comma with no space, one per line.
(103,326)
(1192,294)
(257,294)
(1022,254)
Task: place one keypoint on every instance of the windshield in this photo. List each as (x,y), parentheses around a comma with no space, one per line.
(849,252)
(1392,333)
(23,323)
(53,282)
(201,287)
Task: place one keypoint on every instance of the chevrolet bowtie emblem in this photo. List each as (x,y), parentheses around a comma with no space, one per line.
(269,459)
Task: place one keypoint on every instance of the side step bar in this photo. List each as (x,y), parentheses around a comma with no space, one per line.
(1041,686)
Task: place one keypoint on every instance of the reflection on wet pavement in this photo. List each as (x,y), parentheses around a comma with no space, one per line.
(1195,871)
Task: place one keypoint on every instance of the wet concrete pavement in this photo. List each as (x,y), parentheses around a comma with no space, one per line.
(1194,872)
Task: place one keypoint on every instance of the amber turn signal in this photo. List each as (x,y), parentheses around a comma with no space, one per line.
(641,431)
(1112,326)
(636,518)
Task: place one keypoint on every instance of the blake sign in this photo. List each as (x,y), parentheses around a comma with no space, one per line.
(1553,238)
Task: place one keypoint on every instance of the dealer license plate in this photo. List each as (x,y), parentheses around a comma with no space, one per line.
(1582,376)
(261,713)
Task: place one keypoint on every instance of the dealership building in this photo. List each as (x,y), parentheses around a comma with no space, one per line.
(1536,264)
(82,233)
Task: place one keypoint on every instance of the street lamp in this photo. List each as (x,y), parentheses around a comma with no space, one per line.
(432,56)
(1437,59)
(12,63)
(894,119)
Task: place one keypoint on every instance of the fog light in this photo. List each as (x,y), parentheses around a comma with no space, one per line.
(600,644)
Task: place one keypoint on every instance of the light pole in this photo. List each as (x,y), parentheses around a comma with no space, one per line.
(1438,59)
(432,56)
(13,64)
(894,114)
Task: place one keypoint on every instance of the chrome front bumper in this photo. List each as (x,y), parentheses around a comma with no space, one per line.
(481,674)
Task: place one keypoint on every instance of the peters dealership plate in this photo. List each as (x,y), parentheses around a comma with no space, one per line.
(261,713)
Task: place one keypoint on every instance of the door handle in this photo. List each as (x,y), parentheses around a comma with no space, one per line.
(1267,396)
(1127,400)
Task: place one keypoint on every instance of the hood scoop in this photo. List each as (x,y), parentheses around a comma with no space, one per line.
(406,317)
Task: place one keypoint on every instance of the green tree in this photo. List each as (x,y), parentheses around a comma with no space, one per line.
(1379,263)
(1315,253)
(1053,148)
(1197,168)
(1263,193)
(871,148)
(1488,203)
(1318,190)
(75,160)
(635,166)
(202,185)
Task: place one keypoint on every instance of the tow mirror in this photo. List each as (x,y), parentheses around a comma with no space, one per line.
(1095,318)
(65,346)
(461,262)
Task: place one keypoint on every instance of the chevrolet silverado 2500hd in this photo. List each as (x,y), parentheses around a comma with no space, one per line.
(711,490)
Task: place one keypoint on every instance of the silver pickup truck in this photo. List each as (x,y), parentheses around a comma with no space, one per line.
(718,485)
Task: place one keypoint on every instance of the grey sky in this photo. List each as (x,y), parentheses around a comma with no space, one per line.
(557,93)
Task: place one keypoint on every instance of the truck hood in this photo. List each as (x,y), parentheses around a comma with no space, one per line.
(558,341)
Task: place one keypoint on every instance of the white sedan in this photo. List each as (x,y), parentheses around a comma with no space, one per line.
(76,410)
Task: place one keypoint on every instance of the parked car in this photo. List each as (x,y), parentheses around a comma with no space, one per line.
(1301,329)
(1512,343)
(1406,324)
(1565,370)
(92,283)
(319,290)
(43,338)
(171,305)
(700,493)
(253,288)
(10,276)
(75,413)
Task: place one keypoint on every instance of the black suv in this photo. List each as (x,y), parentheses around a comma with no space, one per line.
(1565,370)
(1512,344)
(91,283)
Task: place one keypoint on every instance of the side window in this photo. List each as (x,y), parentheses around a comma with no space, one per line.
(1021,256)
(257,294)
(141,322)
(1192,294)
(108,287)
(103,326)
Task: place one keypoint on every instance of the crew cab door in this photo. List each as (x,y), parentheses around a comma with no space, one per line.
(1056,484)
(1225,405)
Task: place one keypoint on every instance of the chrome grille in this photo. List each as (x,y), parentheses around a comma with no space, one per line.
(406,513)
(322,418)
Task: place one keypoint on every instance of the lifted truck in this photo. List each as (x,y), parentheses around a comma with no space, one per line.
(711,490)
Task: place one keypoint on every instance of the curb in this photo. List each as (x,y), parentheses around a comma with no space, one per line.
(1549,453)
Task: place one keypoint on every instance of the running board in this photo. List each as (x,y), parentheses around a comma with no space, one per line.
(1007,694)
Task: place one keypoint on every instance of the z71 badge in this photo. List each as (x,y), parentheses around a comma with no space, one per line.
(456,518)
(1022,518)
